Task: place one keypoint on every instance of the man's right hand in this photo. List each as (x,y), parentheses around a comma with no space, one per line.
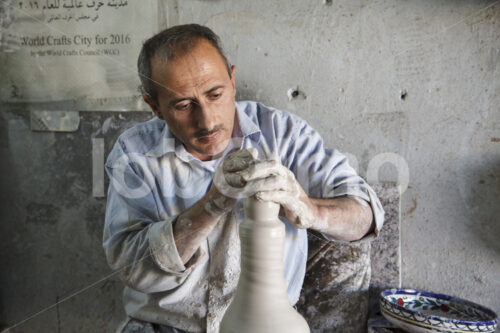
(228,184)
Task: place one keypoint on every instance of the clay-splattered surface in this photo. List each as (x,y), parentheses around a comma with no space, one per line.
(337,290)
(386,250)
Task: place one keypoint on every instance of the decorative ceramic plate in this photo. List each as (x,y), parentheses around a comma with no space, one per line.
(422,311)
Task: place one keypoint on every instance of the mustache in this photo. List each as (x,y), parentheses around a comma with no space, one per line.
(205,132)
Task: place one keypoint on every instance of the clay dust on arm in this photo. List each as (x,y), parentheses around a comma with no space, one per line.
(343,218)
(194,225)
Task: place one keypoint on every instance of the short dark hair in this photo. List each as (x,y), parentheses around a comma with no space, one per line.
(169,44)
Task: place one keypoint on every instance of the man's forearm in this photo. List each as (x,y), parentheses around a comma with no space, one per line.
(343,218)
(194,225)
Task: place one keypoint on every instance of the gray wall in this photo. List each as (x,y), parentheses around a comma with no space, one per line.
(419,79)
(51,226)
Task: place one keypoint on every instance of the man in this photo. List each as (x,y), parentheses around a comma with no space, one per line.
(173,207)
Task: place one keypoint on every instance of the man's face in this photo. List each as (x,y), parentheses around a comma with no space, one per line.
(196,99)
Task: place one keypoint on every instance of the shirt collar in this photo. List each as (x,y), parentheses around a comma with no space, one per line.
(168,143)
(245,124)
(165,144)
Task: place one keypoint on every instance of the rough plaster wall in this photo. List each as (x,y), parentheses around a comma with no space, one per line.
(354,61)
(51,226)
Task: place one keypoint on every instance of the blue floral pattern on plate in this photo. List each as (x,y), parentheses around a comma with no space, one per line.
(422,311)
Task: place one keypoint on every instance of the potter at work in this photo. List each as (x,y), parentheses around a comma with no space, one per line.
(177,182)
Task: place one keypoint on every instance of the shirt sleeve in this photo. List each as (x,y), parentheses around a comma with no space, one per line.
(139,245)
(326,173)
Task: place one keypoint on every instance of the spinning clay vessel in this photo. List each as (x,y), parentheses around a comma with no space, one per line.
(261,303)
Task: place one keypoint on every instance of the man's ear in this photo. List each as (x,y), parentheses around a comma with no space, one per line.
(152,104)
(233,73)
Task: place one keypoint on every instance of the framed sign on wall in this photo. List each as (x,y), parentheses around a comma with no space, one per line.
(82,51)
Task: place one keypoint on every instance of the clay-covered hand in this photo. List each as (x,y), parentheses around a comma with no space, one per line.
(228,185)
(271,181)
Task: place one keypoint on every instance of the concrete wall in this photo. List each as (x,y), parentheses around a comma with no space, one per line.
(418,79)
(51,226)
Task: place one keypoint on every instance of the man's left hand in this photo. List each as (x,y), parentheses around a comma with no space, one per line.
(276,183)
